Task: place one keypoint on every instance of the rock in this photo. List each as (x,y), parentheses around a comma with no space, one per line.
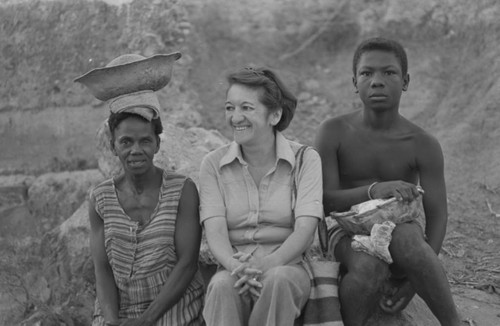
(107,162)
(17,222)
(14,190)
(54,196)
(44,318)
(185,117)
(68,266)
(311,84)
(15,218)
(304,96)
(181,150)
(68,248)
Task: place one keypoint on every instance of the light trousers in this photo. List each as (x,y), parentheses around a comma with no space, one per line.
(284,292)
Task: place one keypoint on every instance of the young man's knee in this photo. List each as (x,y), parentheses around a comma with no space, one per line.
(407,236)
(409,248)
(356,284)
(370,271)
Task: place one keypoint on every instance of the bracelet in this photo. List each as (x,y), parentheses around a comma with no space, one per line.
(369,192)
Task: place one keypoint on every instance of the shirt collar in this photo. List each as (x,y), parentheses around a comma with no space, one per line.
(233,153)
(283,152)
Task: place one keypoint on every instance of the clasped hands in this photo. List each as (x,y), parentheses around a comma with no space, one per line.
(248,275)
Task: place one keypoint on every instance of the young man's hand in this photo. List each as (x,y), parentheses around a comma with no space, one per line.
(401,190)
(397,296)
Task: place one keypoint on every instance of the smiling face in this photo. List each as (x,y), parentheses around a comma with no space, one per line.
(379,80)
(135,144)
(250,120)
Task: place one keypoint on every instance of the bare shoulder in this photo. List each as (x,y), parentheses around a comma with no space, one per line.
(340,122)
(334,128)
(189,200)
(427,145)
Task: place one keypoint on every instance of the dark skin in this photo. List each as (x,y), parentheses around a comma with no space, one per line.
(135,143)
(377,144)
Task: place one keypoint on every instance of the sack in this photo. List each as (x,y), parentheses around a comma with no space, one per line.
(323,306)
(361,217)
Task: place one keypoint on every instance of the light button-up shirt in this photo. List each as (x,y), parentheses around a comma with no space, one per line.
(259,219)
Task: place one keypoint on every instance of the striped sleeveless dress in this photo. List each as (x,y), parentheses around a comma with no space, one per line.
(142,256)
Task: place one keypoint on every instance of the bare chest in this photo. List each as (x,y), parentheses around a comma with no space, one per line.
(139,206)
(363,160)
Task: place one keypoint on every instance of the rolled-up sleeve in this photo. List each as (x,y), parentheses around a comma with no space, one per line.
(211,199)
(310,186)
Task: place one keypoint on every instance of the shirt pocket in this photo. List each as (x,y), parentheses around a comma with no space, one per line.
(232,177)
(236,195)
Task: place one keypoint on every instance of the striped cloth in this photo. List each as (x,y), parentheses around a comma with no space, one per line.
(142,256)
(323,306)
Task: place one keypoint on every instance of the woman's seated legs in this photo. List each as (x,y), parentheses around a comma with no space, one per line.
(223,305)
(284,293)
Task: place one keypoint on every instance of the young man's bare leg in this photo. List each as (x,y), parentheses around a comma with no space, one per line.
(416,259)
(359,290)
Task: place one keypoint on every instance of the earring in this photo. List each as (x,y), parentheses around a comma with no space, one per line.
(356,91)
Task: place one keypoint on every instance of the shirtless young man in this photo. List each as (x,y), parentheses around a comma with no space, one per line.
(377,153)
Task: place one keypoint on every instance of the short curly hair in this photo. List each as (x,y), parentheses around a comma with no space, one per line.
(274,93)
(381,44)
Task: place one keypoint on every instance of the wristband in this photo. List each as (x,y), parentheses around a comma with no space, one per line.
(370,190)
